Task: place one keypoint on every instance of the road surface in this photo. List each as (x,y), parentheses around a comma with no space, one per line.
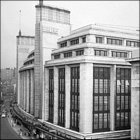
(7,131)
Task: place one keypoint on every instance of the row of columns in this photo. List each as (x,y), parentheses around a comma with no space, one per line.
(86,97)
(26,88)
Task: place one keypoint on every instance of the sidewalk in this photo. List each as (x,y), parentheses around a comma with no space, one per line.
(17,128)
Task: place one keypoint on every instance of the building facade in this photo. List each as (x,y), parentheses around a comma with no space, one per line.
(135,97)
(78,82)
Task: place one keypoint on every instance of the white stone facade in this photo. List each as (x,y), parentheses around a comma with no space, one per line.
(56,46)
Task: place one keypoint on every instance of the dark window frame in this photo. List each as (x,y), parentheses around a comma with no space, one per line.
(74,98)
(99,39)
(123,99)
(67,54)
(61,97)
(74,41)
(113,41)
(119,54)
(101,99)
(64,44)
(79,52)
(51,95)
(84,39)
(132,43)
(100,52)
(56,56)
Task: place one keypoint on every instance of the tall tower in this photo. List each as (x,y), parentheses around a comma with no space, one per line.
(25,44)
(51,24)
(41,2)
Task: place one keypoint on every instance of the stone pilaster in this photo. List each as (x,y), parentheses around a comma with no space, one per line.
(135,100)
(105,40)
(55,120)
(27,91)
(45,107)
(24,98)
(19,88)
(129,55)
(67,96)
(86,97)
(38,71)
(32,93)
(109,53)
(112,97)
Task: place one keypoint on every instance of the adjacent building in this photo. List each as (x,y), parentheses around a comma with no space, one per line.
(135,96)
(76,82)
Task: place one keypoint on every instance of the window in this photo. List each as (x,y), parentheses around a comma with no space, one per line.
(100,53)
(119,54)
(67,54)
(51,95)
(74,41)
(132,43)
(63,44)
(79,52)
(61,97)
(101,101)
(114,41)
(123,98)
(56,56)
(83,39)
(74,101)
(99,39)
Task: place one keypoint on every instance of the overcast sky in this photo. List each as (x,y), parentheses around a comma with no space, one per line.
(122,13)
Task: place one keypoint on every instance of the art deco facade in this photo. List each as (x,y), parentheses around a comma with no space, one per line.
(78,82)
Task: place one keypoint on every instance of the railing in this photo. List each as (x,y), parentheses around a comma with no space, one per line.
(52,132)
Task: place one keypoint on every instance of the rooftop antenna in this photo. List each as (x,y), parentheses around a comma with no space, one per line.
(19,22)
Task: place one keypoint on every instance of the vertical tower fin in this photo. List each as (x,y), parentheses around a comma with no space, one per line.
(41,2)
(20,23)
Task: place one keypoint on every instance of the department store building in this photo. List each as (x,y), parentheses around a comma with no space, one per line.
(76,82)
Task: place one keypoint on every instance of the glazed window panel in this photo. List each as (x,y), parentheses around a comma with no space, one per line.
(96,86)
(51,95)
(123,96)
(101,109)
(96,121)
(74,102)
(96,103)
(61,97)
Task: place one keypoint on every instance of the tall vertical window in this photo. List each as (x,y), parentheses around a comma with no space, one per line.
(51,95)
(74,102)
(123,98)
(101,99)
(61,97)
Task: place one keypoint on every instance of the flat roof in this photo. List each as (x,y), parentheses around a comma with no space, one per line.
(53,7)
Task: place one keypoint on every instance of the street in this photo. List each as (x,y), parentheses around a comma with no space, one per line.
(6,130)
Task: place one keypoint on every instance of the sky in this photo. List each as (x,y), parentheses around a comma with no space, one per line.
(121,13)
